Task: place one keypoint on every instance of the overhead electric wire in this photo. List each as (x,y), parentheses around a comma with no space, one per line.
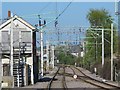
(37,14)
(45,6)
(56,8)
(50,12)
(59,14)
(56,21)
(64,10)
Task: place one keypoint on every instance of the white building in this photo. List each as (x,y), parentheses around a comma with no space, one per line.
(24,50)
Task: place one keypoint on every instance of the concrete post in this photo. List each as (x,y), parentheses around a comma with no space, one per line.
(11,47)
(111,52)
(102,47)
(52,56)
(0,64)
(0,60)
(47,52)
(41,43)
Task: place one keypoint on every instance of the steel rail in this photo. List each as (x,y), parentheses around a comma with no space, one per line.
(63,79)
(91,80)
(51,81)
(95,81)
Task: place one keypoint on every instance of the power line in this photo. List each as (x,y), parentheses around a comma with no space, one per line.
(45,6)
(64,10)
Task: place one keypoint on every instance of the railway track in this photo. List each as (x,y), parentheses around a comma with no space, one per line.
(82,77)
(63,79)
(51,81)
(90,80)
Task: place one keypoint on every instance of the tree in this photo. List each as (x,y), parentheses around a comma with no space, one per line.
(65,57)
(98,18)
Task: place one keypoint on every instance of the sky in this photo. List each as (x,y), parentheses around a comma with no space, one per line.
(75,15)
(59,0)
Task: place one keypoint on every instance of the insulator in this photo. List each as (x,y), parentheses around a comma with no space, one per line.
(39,22)
(56,22)
(80,29)
(39,16)
(44,22)
(36,25)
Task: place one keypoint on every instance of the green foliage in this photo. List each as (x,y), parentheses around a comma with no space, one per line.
(102,19)
(64,56)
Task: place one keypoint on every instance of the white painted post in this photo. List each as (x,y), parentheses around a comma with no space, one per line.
(95,70)
(31,65)
(116,8)
(83,47)
(41,43)
(52,56)
(0,62)
(11,46)
(47,52)
(112,52)
(102,47)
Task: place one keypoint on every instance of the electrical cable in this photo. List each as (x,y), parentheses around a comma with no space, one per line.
(45,6)
(64,10)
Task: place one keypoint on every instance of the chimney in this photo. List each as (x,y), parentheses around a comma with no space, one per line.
(9,14)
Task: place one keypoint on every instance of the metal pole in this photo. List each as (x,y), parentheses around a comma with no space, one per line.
(1,48)
(0,65)
(41,43)
(116,8)
(11,47)
(52,52)
(47,52)
(83,51)
(96,47)
(112,52)
(102,47)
